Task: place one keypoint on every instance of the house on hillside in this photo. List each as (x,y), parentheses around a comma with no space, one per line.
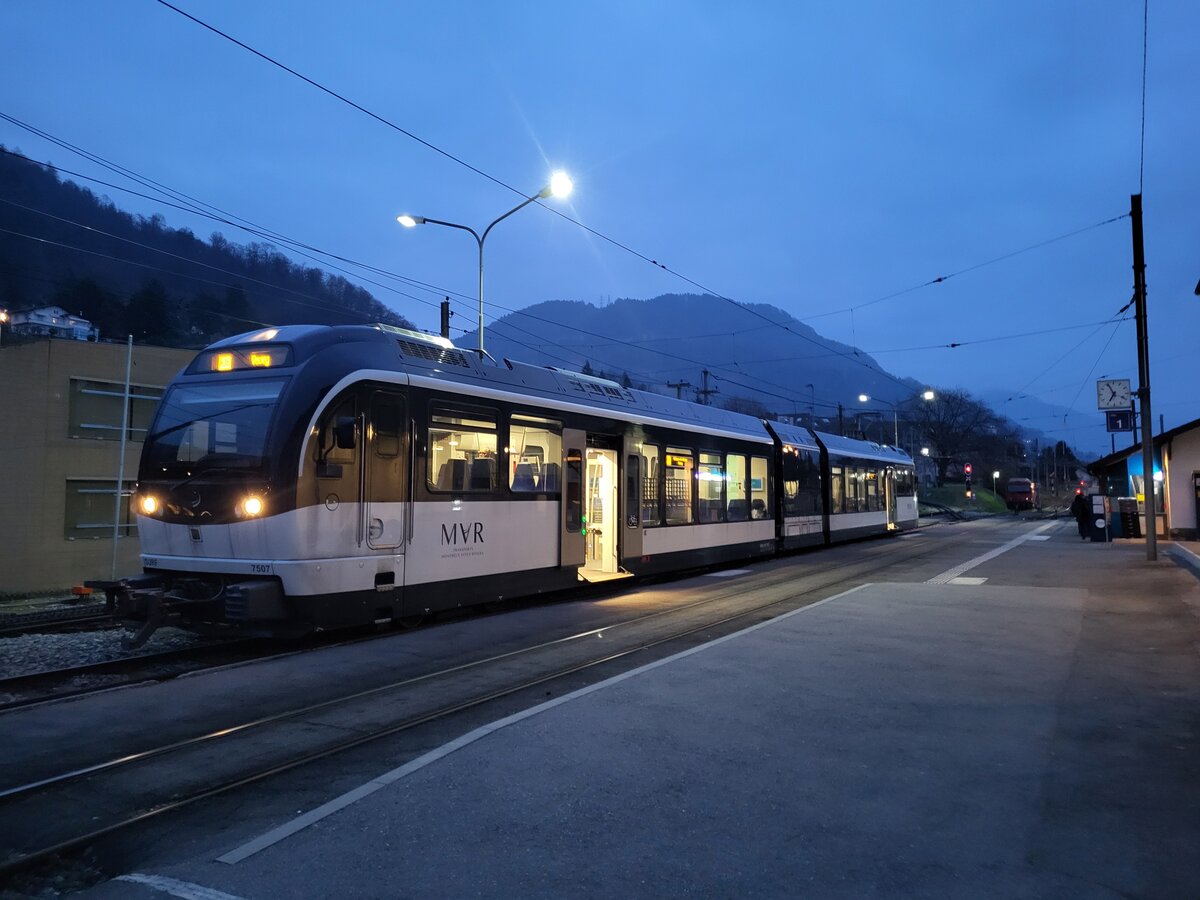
(52,321)
(1175,480)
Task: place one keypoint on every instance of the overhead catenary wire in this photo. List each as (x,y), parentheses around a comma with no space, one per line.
(851,357)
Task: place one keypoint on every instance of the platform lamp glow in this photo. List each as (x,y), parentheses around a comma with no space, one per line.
(560,186)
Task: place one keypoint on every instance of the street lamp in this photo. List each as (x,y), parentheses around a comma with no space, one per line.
(560,186)
(995,475)
(866,398)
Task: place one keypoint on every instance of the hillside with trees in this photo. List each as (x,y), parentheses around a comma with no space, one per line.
(62,245)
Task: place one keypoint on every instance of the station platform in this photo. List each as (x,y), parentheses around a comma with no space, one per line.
(996,735)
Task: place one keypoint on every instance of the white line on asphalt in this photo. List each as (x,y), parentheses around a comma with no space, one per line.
(184,889)
(945,577)
(338,803)
(967,579)
(728,573)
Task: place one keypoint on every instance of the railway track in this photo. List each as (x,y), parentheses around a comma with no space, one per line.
(56,620)
(65,811)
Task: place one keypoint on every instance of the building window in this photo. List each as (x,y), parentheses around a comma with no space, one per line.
(89,509)
(96,409)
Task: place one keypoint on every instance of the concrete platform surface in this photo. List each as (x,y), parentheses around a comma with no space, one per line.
(897,740)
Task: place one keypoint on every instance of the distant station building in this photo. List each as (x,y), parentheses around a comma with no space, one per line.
(51,321)
(62,405)
(1175,480)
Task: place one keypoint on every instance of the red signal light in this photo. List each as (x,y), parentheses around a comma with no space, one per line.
(967,468)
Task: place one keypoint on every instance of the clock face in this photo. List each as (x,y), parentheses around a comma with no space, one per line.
(1113,394)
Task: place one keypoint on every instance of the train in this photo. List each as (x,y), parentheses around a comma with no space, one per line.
(1021,493)
(305,478)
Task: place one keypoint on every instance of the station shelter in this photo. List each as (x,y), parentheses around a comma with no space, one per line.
(1175,480)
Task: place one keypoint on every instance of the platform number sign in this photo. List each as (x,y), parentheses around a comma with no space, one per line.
(1119,419)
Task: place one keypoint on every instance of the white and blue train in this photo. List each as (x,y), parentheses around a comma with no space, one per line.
(308,478)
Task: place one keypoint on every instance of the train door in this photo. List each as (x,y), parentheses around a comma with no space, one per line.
(631,530)
(889,496)
(601,522)
(385,476)
(572,549)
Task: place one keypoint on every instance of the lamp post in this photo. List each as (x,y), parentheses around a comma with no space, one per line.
(926,395)
(995,475)
(560,186)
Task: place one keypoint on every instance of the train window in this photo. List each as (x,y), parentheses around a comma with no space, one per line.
(330,448)
(711,478)
(386,425)
(462,450)
(854,495)
(633,488)
(651,470)
(736,501)
(801,484)
(534,451)
(574,490)
(904,483)
(837,490)
(760,488)
(678,465)
(874,501)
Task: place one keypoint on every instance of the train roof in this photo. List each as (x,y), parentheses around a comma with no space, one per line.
(438,359)
(844,446)
(794,435)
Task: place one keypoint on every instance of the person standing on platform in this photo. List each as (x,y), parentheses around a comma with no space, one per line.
(1079,509)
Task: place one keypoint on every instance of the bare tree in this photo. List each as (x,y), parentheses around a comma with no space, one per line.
(955,424)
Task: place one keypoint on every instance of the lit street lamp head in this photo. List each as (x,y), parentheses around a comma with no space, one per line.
(410,221)
(928,395)
(560,185)
(863,398)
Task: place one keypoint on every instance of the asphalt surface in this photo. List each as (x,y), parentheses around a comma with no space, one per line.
(1026,725)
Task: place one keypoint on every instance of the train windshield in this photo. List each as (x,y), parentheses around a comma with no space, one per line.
(211,426)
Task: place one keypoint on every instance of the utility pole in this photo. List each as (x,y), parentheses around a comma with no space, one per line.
(1143,391)
(446,318)
(679,386)
(841,424)
(702,394)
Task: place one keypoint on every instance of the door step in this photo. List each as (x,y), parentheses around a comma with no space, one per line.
(597,577)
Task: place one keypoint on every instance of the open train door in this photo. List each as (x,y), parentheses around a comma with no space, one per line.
(572,549)
(889,496)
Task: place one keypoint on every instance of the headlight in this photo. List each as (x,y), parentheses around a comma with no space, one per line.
(252,506)
(148,504)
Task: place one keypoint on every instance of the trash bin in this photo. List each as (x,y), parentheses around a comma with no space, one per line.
(1127,509)
(1098,519)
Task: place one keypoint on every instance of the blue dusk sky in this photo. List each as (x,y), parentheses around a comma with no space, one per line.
(814,156)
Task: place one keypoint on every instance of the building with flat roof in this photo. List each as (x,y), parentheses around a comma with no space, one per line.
(1175,480)
(62,403)
(51,321)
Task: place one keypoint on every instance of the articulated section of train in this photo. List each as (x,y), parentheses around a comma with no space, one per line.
(307,478)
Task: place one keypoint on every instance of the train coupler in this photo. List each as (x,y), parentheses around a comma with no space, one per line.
(141,602)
